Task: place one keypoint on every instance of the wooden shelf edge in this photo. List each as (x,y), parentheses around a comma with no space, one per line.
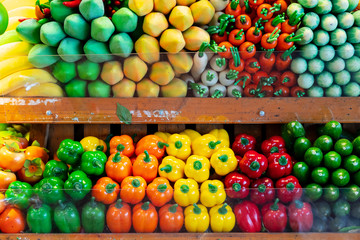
(187,236)
(180,110)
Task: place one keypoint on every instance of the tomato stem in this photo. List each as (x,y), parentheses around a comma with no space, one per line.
(239,35)
(274,35)
(234,4)
(293,38)
(278,19)
(275,8)
(288,53)
(268,53)
(295,18)
(236,56)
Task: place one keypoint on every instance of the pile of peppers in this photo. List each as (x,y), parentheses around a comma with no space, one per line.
(162,182)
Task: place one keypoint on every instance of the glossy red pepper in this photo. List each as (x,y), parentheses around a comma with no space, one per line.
(280,165)
(248,216)
(274,216)
(237,185)
(300,216)
(288,189)
(262,191)
(72,4)
(275,144)
(253,164)
(243,143)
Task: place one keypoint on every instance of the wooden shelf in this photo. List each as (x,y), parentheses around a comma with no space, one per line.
(180,110)
(188,236)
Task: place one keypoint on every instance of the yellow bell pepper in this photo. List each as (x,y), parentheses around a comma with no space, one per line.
(222,218)
(186,192)
(205,145)
(223,136)
(171,168)
(196,218)
(198,168)
(93,144)
(192,134)
(224,161)
(179,146)
(212,193)
(163,135)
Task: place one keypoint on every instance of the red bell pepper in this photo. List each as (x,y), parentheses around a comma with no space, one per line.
(300,216)
(288,189)
(280,165)
(253,164)
(243,143)
(248,216)
(72,4)
(238,158)
(262,191)
(275,144)
(274,216)
(237,185)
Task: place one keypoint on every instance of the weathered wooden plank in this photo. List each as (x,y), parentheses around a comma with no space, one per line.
(100,131)
(58,133)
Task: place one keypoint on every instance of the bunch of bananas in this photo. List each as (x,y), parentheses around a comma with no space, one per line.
(17,75)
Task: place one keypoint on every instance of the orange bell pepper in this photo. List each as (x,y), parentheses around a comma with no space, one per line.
(12,158)
(118,217)
(2,203)
(6,177)
(33,152)
(159,191)
(118,167)
(133,189)
(123,144)
(105,190)
(153,144)
(145,218)
(146,166)
(171,218)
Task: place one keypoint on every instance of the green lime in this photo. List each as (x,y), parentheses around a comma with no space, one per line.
(340,177)
(356,178)
(344,147)
(320,175)
(352,163)
(332,160)
(332,129)
(356,145)
(351,193)
(324,142)
(301,172)
(300,146)
(313,157)
(331,193)
(341,208)
(322,209)
(313,192)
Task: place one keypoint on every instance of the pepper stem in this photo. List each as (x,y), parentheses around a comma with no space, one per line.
(110,188)
(223,158)
(97,164)
(116,158)
(223,209)
(274,150)
(212,144)
(119,204)
(262,188)
(290,186)
(244,141)
(178,144)
(78,186)
(254,166)
(236,187)
(184,188)
(173,208)
(100,148)
(147,158)
(299,204)
(167,168)
(120,147)
(162,188)
(197,165)
(275,206)
(135,183)
(197,210)
(145,206)
(161,145)
(283,161)
(212,188)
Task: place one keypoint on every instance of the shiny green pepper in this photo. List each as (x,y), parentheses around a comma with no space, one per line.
(66,218)
(39,218)
(70,151)
(93,163)
(93,216)
(56,169)
(78,185)
(50,190)
(19,193)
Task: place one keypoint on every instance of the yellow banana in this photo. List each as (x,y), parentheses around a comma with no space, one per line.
(26,11)
(25,79)
(40,90)
(13,65)
(12,4)
(9,37)
(15,49)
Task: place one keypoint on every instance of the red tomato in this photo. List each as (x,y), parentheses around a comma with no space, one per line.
(264,11)
(297,91)
(239,68)
(233,8)
(226,54)
(254,35)
(281,91)
(288,79)
(258,76)
(247,50)
(252,65)
(237,37)
(244,79)
(267,91)
(219,39)
(243,21)
(250,90)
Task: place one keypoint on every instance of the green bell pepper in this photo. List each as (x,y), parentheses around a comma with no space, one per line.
(39,218)
(70,151)
(50,190)
(78,185)
(93,163)
(93,216)
(19,194)
(56,169)
(67,218)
